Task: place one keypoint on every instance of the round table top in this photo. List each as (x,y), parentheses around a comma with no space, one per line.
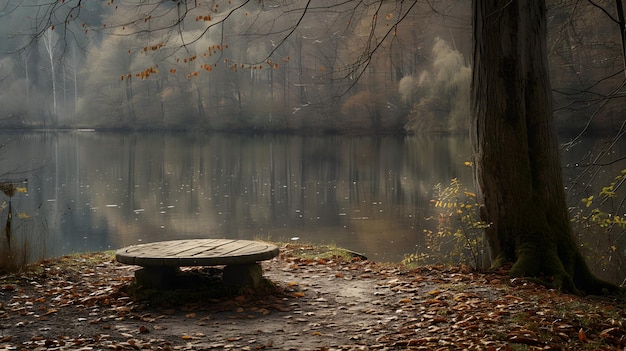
(196,252)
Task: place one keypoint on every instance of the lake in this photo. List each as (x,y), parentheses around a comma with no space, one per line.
(91,191)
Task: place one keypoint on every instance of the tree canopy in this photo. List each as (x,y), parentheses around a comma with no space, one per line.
(233,64)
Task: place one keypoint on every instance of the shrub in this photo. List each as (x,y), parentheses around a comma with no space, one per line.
(459,237)
(14,251)
(598,218)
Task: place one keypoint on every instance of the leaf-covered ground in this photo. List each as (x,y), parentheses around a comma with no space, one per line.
(83,302)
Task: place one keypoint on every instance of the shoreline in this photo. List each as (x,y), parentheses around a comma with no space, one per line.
(314,302)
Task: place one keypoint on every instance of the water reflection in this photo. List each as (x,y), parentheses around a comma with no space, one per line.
(93,191)
(100,191)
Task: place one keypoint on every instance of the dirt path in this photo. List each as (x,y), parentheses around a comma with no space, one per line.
(78,303)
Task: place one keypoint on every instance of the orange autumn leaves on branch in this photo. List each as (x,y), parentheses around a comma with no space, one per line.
(143,74)
(208,67)
(152,47)
(203,18)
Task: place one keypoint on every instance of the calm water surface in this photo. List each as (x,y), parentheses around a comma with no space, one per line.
(94,191)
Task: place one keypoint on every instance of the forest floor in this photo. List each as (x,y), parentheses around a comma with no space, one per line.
(314,302)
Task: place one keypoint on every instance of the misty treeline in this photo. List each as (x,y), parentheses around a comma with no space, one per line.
(383,66)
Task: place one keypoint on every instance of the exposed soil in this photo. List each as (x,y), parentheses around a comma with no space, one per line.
(83,302)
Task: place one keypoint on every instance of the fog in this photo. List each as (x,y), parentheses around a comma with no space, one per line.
(231,65)
(363,67)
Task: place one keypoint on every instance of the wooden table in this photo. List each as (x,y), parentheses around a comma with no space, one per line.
(161,260)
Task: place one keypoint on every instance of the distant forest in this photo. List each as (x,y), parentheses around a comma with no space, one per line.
(384,67)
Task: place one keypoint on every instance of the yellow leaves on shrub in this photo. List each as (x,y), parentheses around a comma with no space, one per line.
(587,201)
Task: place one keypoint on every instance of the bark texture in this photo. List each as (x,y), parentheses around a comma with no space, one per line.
(518,171)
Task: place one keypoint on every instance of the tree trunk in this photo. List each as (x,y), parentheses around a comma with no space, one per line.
(518,170)
(50,39)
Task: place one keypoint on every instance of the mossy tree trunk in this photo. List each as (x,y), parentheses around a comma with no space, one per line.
(518,170)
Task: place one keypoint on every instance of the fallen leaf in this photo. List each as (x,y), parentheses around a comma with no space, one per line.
(527,340)
(582,336)
(436,302)
(607,332)
(50,311)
